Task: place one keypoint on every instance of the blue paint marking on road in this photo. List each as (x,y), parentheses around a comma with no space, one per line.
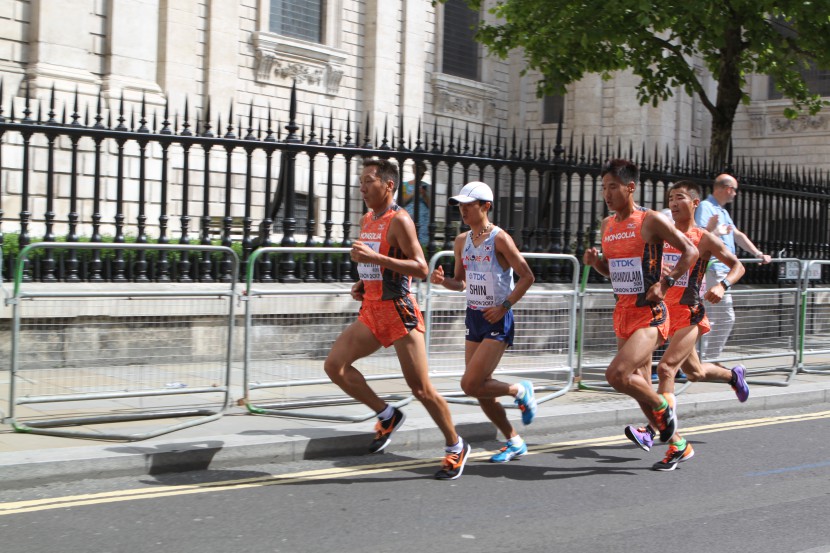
(789,469)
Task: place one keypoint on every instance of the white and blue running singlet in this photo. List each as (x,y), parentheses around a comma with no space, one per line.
(488,285)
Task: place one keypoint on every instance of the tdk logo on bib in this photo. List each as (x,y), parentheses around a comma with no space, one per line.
(620,263)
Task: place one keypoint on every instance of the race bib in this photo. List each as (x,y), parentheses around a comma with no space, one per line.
(627,275)
(669,261)
(480,290)
(370,271)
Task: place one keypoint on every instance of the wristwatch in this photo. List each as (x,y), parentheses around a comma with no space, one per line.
(726,284)
(506,304)
(669,281)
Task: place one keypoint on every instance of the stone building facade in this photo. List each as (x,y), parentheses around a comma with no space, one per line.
(386,61)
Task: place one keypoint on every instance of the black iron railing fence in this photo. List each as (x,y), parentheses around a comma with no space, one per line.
(74,176)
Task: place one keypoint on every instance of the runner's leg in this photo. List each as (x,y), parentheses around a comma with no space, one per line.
(482,358)
(354,343)
(412,355)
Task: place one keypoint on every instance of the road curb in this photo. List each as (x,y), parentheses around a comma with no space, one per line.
(167,454)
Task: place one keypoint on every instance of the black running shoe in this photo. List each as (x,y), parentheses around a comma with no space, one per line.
(674,456)
(666,423)
(453,464)
(385,429)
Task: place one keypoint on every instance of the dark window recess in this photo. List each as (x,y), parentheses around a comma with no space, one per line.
(521,209)
(818,82)
(460,55)
(300,214)
(552,108)
(301,19)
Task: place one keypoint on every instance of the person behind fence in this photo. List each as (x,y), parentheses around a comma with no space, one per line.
(713,216)
(632,256)
(485,259)
(388,256)
(419,214)
(687,320)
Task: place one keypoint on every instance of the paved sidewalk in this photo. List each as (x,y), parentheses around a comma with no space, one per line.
(239,438)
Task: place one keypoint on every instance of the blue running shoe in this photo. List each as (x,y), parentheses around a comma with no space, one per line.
(740,386)
(509,452)
(643,436)
(527,405)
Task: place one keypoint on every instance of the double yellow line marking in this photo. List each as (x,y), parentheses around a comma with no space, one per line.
(29,506)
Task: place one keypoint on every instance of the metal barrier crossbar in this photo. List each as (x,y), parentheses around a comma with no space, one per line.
(288,334)
(120,353)
(544,342)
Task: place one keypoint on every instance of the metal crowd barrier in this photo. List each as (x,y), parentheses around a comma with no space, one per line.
(761,346)
(543,348)
(289,331)
(814,338)
(116,354)
(765,336)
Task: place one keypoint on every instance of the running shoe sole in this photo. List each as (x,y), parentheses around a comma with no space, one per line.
(629,433)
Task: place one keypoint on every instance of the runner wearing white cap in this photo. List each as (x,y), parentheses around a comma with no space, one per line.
(485,258)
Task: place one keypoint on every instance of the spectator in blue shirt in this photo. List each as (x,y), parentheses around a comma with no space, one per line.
(712,216)
(419,214)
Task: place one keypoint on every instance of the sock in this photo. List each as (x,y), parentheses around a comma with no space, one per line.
(680,444)
(734,380)
(458,447)
(663,404)
(521,393)
(516,441)
(387,413)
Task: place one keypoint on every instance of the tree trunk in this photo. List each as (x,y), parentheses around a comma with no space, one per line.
(728,99)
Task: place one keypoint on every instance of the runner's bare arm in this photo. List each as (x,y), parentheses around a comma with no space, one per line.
(711,244)
(507,248)
(594,258)
(458,283)
(657,229)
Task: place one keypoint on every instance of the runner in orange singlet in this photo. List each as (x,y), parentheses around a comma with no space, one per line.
(388,256)
(632,243)
(688,318)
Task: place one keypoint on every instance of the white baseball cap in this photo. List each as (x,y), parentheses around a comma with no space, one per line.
(473,191)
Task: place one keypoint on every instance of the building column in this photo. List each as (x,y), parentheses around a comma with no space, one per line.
(221,58)
(60,42)
(381,64)
(131,66)
(413,65)
(179,71)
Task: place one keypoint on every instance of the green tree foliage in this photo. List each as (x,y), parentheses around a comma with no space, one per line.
(665,43)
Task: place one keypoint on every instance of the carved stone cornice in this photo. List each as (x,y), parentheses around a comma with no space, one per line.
(463,99)
(769,120)
(282,60)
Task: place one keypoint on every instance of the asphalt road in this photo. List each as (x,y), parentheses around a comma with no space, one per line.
(760,484)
